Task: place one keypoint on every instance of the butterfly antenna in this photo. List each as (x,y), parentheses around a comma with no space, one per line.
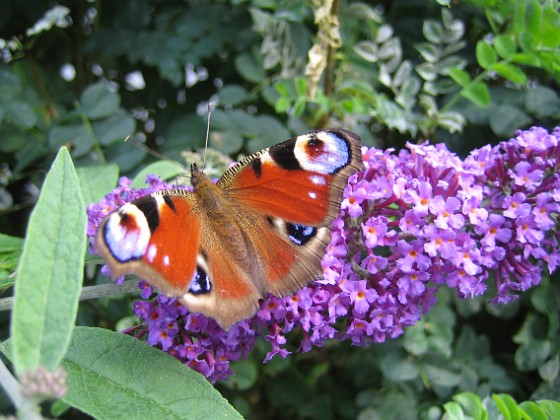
(210,108)
(142,146)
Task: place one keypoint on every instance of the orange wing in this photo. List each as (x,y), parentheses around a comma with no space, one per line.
(156,237)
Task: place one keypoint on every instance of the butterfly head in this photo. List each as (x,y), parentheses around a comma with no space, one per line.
(197,176)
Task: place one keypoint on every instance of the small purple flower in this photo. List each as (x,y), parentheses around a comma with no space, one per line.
(515,206)
(444,210)
(355,197)
(525,177)
(496,231)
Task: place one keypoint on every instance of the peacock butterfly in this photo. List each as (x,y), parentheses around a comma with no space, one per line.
(262,228)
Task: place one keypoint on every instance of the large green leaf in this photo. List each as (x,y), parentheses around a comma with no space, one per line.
(50,270)
(112,375)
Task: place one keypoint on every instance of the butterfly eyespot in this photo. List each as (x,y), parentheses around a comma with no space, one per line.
(314,142)
(300,234)
(200,283)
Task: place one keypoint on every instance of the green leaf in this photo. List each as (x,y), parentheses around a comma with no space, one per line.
(9,244)
(267,131)
(507,406)
(542,101)
(472,404)
(526,59)
(433,31)
(50,271)
(249,69)
(533,18)
(454,411)
(477,93)
(452,121)
(415,341)
(227,142)
(552,408)
(76,135)
(10,252)
(58,408)
(403,73)
(504,45)
(485,54)
(398,367)
(532,355)
(165,169)
(441,376)
(98,101)
(246,375)
(96,181)
(505,119)
(367,50)
(549,370)
(282,105)
(510,72)
(232,95)
(117,127)
(114,375)
(299,107)
(427,71)
(300,84)
(124,155)
(533,411)
(549,29)
(21,114)
(429,52)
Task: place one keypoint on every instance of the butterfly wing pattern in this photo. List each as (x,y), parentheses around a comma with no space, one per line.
(262,228)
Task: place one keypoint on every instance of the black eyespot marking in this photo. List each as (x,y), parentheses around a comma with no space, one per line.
(270,221)
(314,147)
(283,154)
(300,234)
(148,206)
(314,141)
(256,166)
(169,201)
(125,218)
(200,283)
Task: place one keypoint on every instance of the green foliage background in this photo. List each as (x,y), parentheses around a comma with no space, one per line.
(466,73)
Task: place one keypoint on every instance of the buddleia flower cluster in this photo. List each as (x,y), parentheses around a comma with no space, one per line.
(411,222)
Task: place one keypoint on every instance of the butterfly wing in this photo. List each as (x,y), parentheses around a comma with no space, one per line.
(292,192)
(156,237)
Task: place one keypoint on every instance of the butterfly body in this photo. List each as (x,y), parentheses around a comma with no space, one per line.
(262,228)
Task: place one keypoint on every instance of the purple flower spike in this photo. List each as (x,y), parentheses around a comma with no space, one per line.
(411,222)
